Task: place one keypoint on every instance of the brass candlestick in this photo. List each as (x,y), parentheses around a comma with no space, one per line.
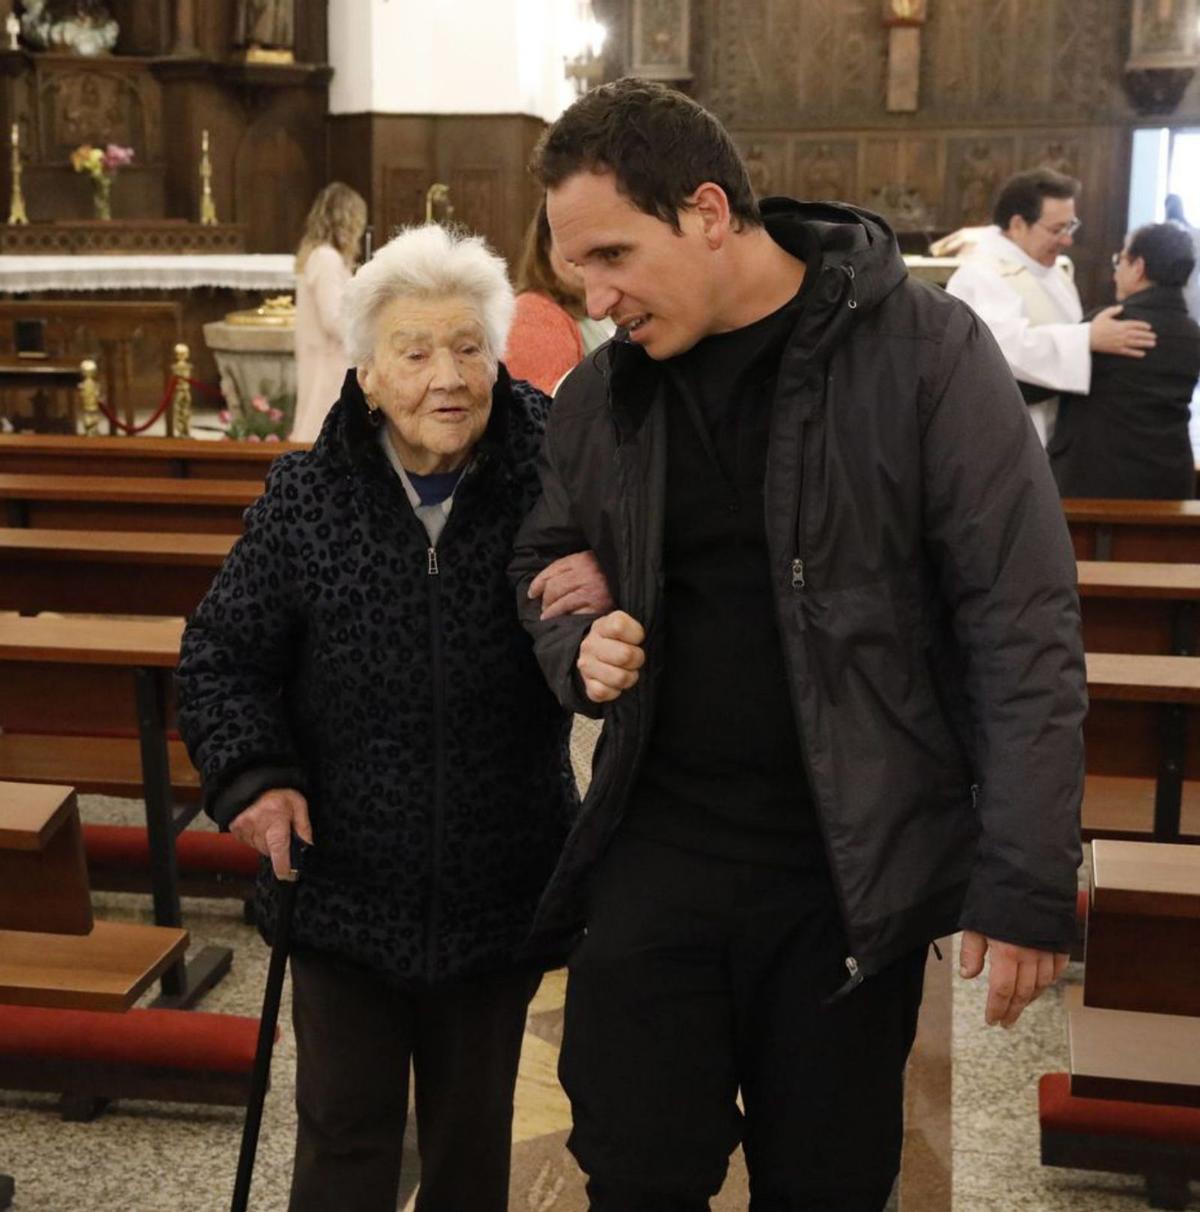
(208,208)
(16,205)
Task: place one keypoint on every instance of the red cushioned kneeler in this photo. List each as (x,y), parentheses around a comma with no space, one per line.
(168,1055)
(210,864)
(1114,1136)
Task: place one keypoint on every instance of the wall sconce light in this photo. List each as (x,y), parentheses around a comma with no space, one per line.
(584,46)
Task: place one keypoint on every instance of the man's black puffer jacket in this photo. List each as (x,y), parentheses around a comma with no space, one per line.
(924,587)
(405,703)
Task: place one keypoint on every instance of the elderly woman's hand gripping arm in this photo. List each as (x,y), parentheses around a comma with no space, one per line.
(573,584)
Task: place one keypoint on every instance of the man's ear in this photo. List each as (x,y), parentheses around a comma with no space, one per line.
(1138,265)
(711,207)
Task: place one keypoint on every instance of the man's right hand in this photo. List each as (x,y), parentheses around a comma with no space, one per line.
(1127,338)
(610,656)
(268,823)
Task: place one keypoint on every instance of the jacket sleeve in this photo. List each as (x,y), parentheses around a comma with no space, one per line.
(996,531)
(237,651)
(550,531)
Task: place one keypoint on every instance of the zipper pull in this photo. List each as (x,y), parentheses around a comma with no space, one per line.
(856,979)
(797,574)
(433,564)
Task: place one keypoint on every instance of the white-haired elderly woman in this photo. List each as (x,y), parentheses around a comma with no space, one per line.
(357,674)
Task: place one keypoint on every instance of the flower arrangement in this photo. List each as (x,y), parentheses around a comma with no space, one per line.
(263,421)
(101,164)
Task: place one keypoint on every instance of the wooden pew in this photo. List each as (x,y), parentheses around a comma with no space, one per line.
(172,458)
(1153,531)
(1142,608)
(107,572)
(62,679)
(66,1023)
(1131,1103)
(137,503)
(1141,739)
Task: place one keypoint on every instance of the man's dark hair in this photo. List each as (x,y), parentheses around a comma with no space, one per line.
(1167,252)
(658,144)
(1023,193)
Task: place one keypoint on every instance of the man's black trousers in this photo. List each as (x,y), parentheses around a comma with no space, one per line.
(699,978)
(355,1039)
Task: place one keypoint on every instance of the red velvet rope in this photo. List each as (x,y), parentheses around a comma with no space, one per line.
(164,404)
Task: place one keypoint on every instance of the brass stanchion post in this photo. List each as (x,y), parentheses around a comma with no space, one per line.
(89,398)
(181,399)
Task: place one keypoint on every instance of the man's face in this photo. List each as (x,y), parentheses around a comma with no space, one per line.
(660,284)
(1052,233)
(1129,275)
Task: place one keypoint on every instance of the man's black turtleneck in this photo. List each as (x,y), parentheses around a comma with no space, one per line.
(723,772)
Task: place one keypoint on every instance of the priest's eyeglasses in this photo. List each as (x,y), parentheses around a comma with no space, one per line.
(1118,257)
(1059,230)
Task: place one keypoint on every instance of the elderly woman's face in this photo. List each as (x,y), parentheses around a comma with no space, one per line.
(432,378)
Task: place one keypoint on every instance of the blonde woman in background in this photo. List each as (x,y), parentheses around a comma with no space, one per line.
(324,264)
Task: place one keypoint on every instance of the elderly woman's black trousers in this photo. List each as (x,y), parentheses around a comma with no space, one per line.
(355,1040)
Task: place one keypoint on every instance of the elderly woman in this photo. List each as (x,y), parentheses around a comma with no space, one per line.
(357,674)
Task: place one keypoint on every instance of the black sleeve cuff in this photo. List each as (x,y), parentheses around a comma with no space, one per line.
(241,791)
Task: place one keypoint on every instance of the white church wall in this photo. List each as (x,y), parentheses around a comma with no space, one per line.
(469,56)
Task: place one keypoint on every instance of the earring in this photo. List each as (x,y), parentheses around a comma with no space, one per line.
(374,416)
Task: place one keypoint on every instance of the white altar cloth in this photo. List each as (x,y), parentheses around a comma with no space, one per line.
(237,271)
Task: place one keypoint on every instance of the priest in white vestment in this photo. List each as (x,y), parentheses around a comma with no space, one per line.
(1023,289)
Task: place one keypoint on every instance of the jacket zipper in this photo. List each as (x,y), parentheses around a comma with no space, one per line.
(799,584)
(434,582)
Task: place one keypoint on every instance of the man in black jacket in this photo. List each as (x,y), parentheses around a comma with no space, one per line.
(844,690)
(1128,437)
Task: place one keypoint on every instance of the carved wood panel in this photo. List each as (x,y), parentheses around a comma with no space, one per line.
(91,104)
(976,165)
(827,169)
(782,63)
(901,179)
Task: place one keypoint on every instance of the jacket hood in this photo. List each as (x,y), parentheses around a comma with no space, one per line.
(855,243)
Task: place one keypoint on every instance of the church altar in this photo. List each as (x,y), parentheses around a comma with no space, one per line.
(273,272)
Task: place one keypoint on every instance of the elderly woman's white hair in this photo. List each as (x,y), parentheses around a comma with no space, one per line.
(428,262)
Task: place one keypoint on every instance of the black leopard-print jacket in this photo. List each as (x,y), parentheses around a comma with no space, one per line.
(335,655)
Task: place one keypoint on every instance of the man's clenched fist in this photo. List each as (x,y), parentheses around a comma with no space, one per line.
(611,655)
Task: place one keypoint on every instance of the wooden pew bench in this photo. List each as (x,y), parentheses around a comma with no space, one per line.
(1154,531)
(1131,1102)
(188,458)
(107,572)
(120,503)
(58,679)
(1141,738)
(66,1023)
(1142,608)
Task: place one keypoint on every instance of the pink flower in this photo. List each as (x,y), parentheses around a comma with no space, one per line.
(253,437)
(271,437)
(116,156)
(259,404)
(275,414)
(224,416)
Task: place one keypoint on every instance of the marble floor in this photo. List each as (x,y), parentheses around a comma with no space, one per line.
(147,1157)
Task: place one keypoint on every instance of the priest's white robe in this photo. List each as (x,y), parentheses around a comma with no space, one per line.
(1035,314)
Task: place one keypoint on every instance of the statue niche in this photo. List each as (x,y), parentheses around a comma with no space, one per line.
(264,30)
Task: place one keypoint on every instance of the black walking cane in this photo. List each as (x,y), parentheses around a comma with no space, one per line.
(266,1026)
